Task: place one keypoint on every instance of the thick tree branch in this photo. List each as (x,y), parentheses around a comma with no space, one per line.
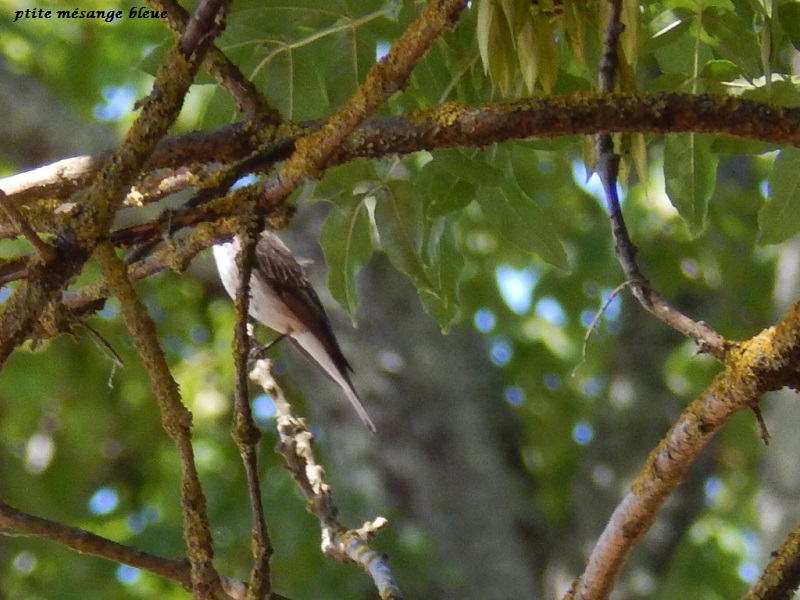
(451,125)
(766,362)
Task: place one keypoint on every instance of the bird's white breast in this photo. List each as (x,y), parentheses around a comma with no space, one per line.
(265,306)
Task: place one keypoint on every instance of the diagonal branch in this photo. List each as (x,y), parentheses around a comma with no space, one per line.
(297,450)
(176,418)
(607,168)
(766,362)
(87,542)
(239,88)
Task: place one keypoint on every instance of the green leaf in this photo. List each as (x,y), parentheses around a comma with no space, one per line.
(427,256)
(345,178)
(401,224)
(446,192)
(732,39)
(346,243)
(278,47)
(690,173)
(528,56)
(789,18)
(668,27)
(520,221)
(547,53)
(721,70)
(779,218)
(476,171)
(445,263)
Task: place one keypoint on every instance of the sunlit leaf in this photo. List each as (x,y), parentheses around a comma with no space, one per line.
(669,26)
(528,56)
(547,53)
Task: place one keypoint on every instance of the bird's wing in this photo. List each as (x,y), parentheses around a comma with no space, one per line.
(289,282)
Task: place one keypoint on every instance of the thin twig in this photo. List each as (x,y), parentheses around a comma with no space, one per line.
(296,447)
(607,168)
(45,251)
(245,432)
(596,318)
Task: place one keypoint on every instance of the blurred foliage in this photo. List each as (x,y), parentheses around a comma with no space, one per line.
(509,239)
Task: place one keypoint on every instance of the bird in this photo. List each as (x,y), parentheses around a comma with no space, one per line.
(282,298)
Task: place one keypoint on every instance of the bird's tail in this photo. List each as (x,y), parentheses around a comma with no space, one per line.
(310,345)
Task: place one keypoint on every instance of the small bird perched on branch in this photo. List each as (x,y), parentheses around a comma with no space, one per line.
(281,297)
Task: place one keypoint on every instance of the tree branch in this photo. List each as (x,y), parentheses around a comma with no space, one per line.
(766,362)
(94,211)
(296,448)
(176,418)
(239,88)
(87,542)
(245,433)
(781,577)
(447,126)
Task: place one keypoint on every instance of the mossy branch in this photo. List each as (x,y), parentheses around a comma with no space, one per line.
(766,362)
(175,417)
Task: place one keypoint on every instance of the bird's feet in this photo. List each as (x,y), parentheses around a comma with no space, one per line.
(257,352)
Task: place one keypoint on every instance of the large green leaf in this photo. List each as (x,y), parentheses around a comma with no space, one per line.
(789,17)
(779,218)
(446,192)
(445,264)
(465,165)
(690,173)
(345,241)
(279,44)
(424,252)
(401,224)
(522,222)
(732,38)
